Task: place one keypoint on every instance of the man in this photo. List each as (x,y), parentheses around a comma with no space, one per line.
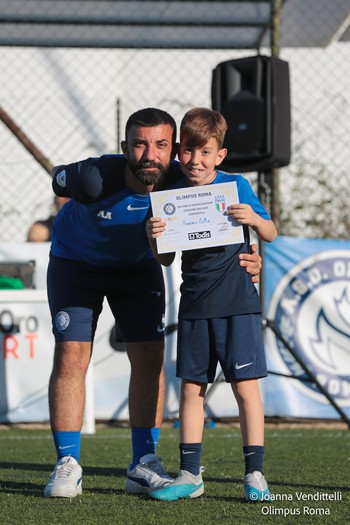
(100,249)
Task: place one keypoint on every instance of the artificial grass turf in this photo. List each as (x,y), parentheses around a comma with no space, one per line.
(308,470)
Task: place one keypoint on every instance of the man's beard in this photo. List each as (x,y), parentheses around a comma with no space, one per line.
(139,169)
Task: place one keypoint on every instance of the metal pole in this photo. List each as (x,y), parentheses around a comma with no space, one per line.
(264,195)
(276,6)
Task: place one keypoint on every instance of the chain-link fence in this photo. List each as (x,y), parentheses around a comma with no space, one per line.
(73,103)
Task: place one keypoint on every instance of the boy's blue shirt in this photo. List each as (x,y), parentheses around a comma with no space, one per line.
(213,282)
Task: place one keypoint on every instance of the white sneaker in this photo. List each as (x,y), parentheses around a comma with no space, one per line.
(146,476)
(66,479)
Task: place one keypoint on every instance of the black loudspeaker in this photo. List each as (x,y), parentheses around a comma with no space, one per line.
(253,94)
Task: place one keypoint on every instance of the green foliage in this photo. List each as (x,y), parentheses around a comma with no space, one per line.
(298,461)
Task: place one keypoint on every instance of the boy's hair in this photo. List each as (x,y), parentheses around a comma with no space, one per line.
(149,118)
(199,125)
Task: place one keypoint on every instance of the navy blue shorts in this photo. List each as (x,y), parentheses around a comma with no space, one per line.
(235,342)
(76,291)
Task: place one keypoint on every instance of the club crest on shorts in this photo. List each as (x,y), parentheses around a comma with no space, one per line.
(62,320)
(311,309)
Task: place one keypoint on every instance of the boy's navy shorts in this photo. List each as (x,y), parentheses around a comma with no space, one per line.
(136,296)
(235,342)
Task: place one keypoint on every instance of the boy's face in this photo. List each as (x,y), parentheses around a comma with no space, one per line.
(198,163)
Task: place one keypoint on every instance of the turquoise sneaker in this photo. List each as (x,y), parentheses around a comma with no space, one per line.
(255,487)
(186,485)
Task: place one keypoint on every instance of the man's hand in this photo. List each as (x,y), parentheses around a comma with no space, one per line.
(252,262)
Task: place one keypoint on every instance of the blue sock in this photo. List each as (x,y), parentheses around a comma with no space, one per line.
(254,458)
(190,457)
(144,441)
(67,444)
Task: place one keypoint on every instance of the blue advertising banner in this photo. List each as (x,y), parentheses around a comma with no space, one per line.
(307,297)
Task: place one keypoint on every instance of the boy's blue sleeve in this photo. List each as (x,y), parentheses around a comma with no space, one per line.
(247,196)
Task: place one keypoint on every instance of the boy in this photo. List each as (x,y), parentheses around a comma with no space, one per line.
(219,315)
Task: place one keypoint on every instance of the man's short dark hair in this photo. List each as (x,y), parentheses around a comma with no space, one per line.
(149,118)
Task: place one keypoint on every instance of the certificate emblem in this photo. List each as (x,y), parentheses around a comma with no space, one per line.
(169,208)
(220,204)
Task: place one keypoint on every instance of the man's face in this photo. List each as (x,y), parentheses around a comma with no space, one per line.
(149,152)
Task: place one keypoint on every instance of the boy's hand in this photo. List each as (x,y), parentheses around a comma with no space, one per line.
(155,227)
(252,262)
(243,214)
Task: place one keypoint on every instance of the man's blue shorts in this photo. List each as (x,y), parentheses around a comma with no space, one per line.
(235,342)
(136,296)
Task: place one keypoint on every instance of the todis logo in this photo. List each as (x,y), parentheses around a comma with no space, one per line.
(311,309)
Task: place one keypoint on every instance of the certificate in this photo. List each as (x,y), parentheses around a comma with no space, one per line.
(196,217)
